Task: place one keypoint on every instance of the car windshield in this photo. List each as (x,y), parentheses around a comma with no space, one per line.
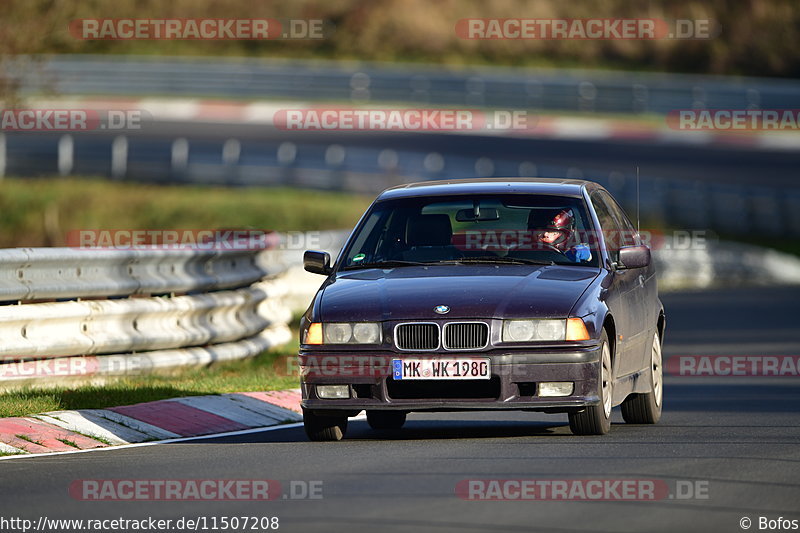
(502,229)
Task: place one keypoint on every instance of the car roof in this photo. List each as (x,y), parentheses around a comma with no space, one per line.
(550,186)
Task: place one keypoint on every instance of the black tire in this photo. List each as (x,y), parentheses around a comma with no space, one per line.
(596,419)
(381,420)
(646,408)
(324,428)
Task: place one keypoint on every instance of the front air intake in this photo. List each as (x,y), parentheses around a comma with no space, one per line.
(422,336)
(466,335)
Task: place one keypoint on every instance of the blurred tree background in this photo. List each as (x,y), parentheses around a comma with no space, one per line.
(758,37)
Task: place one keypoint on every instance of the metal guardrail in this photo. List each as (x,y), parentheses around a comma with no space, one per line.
(134,321)
(540,89)
(41,273)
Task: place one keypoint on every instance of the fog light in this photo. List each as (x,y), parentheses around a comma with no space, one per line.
(556,388)
(330,392)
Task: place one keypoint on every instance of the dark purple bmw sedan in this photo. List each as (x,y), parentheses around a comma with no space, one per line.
(530,294)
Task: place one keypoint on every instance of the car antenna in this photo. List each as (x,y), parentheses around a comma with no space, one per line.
(638,226)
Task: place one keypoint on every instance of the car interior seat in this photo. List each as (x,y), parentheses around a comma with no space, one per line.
(429,238)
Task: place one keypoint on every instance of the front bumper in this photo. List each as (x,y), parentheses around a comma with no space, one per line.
(513,383)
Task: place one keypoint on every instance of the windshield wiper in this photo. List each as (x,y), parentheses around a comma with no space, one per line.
(497,259)
(385,264)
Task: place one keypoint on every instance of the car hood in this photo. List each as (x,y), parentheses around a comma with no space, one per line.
(470,291)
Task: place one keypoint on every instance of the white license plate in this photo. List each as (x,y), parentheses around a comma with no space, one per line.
(442,368)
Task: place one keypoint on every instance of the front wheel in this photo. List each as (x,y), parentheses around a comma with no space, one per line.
(646,408)
(324,427)
(596,419)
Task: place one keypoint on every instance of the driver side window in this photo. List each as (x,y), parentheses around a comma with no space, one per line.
(629,236)
(608,225)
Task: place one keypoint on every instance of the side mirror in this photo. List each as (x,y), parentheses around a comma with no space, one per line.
(634,257)
(317,262)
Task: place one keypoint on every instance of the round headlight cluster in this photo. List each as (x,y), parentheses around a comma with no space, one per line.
(534,330)
(338,333)
(518,330)
(367,333)
(550,330)
(352,333)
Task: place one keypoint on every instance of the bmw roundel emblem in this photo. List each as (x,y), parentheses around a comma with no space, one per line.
(441,309)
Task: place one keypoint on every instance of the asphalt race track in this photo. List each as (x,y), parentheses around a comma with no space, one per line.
(734,441)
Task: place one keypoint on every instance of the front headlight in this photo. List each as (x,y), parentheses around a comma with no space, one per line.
(518,330)
(534,330)
(367,333)
(337,333)
(345,333)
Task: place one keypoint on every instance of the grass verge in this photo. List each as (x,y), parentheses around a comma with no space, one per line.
(41,211)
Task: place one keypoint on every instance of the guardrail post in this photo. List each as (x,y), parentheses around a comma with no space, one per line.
(231,151)
(65,155)
(180,156)
(527,169)
(641,96)
(484,167)
(475,89)
(433,162)
(587,94)
(286,155)
(359,87)
(2,156)
(119,157)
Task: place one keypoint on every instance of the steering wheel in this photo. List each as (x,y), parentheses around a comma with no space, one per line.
(549,247)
